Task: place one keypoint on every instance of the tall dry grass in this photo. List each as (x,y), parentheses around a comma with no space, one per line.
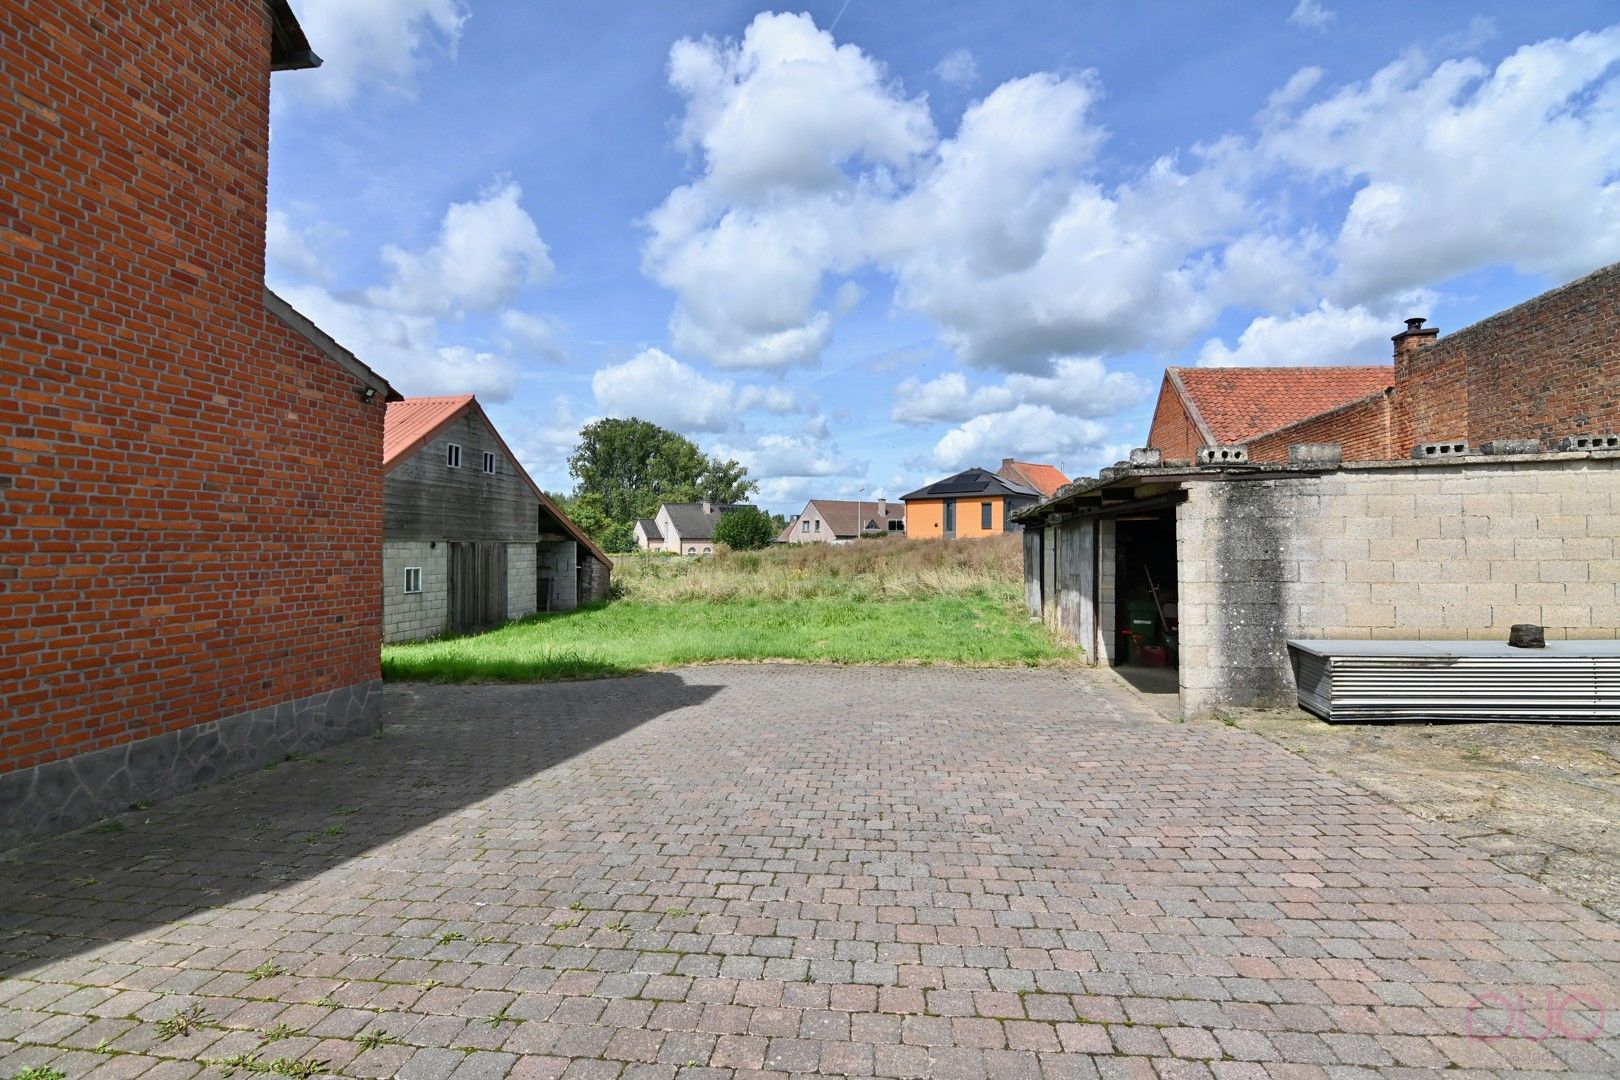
(871,570)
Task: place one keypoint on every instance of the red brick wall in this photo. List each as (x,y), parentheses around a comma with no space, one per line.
(190,494)
(1173,432)
(1548,367)
(1361,428)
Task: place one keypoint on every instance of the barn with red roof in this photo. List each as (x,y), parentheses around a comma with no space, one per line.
(469,539)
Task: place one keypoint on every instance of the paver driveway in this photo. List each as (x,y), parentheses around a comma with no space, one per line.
(791,870)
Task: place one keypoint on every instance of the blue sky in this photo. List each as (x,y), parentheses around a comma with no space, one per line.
(862,245)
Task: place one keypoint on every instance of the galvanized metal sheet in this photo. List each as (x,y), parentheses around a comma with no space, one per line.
(1567,682)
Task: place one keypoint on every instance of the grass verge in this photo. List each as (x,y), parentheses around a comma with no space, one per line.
(630,636)
(877,602)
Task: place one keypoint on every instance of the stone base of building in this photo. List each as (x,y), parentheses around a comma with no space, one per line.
(61,795)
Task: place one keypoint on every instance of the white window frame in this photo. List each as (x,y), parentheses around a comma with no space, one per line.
(452,455)
(409,572)
(804,526)
(489,462)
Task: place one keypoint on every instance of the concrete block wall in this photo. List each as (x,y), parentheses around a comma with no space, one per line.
(558,560)
(410,617)
(521,593)
(1107,592)
(1400,551)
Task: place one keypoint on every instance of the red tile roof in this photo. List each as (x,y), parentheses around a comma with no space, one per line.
(1043,478)
(1238,404)
(412,422)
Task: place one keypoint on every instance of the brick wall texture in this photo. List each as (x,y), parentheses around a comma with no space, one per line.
(1173,431)
(1409,551)
(190,494)
(1546,368)
(1362,429)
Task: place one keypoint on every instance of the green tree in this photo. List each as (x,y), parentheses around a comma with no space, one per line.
(587,512)
(632,466)
(745,529)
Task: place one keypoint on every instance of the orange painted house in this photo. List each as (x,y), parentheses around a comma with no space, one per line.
(970,504)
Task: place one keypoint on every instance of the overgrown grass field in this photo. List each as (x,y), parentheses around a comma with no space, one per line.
(879,601)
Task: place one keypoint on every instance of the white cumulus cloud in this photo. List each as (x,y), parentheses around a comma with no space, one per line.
(406,349)
(1324,335)
(1311,15)
(1026,432)
(655,386)
(1007,235)
(297,249)
(1458,166)
(1078,386)
(792,131)
(958,68)
(370,43)
(486,251)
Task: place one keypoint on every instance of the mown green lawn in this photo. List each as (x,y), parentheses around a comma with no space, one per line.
(629,636)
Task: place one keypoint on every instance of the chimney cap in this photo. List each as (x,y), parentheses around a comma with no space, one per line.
(1415,323)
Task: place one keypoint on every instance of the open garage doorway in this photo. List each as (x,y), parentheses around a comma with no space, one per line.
(1144,623)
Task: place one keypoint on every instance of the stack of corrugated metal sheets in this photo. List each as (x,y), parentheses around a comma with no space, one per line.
(1568,682)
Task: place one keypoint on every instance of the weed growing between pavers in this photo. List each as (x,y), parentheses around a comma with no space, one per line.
(182,1023)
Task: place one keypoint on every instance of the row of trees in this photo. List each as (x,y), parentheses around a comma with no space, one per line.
(623,469)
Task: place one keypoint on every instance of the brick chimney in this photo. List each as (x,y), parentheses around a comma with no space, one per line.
(708,507)
(1413,338)
(883,508)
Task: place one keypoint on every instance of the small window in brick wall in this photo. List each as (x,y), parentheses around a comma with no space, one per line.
(452,456)
(489,462)
(413,579)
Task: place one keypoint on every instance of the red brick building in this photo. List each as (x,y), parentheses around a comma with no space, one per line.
(1543,370)
(190,472)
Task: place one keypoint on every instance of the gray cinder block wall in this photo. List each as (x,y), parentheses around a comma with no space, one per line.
(409,616)
(558,560)
(1389,550)
(521,593)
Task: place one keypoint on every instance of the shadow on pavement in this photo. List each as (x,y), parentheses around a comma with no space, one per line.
(442,750)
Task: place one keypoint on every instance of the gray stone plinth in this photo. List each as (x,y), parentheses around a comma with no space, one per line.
(65,794)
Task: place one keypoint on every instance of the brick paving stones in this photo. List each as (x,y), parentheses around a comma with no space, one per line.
(790,871)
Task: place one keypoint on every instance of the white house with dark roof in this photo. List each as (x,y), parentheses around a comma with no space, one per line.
(838,521)
(684,528)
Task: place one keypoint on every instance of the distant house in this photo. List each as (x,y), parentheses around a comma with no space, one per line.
(834,521)
(469,540)
(971,503)
(648,536)
(684,528)
(1042,478)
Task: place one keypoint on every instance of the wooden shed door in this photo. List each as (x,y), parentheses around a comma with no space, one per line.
(1076,583)
(477,586)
